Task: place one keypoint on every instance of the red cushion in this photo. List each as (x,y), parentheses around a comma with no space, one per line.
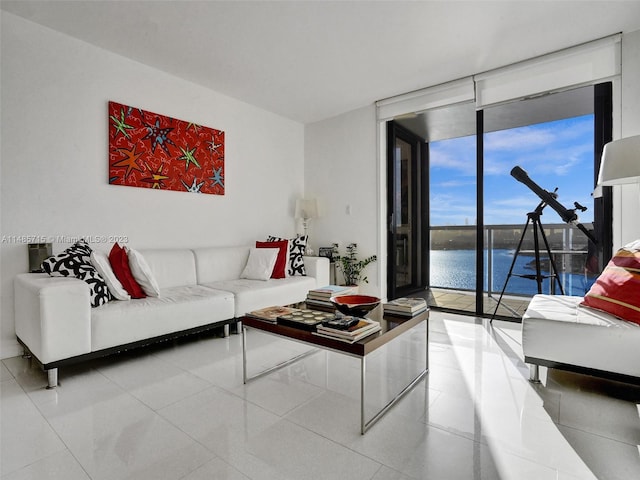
(120,265)
(617,289)
(280,268)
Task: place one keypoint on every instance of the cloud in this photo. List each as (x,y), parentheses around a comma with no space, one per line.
(514,202)
(551,148)
(457,153)
(455,184)
(554,154)
(446,208)
(523,138)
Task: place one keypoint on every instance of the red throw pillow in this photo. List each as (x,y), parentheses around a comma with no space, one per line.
(280,268)
(617,289)
(120,264)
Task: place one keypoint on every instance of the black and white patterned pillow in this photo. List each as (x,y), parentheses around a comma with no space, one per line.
(297,247)
(75,261)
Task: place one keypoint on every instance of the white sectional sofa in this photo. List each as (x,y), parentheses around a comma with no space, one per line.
(559,333)
(200,289)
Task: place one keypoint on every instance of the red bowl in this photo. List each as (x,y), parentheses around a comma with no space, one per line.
(356,305)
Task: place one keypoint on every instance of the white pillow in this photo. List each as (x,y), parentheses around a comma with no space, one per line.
(101,263)
(142,273)
(260,264)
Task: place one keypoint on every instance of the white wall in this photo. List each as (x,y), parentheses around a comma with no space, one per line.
(341,171)
(54,147)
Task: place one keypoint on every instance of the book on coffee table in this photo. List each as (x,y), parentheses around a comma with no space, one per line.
(328,291)
(319,297)
(271,314)
(360,330)
(406,306)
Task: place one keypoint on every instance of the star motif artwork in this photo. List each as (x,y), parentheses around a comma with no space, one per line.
(156,178)
(217,178)
(153,151)
(194,187)
(120,124)
(187,156)
(158,136)
(129,161)
(212,145)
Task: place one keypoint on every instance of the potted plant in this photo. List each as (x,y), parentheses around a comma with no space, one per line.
(352,268)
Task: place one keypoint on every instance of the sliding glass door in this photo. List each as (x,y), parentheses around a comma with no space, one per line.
(406,200)
(450,198)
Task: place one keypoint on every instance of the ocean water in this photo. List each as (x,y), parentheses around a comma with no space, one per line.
(456,269)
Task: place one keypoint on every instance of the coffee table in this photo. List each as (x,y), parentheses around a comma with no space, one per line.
(392,327)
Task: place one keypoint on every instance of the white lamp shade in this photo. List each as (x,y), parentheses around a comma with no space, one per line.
(620,162)
(306,208)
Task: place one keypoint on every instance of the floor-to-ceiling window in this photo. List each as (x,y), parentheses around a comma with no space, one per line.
(551,141)
(470,162)
(548,116)
(452,192)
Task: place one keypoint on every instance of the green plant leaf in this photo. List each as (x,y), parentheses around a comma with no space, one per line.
(352,268)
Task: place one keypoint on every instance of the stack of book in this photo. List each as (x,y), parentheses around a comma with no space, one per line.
(362,329)
(319,297)
(405,307)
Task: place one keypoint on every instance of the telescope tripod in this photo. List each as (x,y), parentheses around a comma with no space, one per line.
(533,219)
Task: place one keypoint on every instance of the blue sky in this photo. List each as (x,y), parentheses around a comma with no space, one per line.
(554,154)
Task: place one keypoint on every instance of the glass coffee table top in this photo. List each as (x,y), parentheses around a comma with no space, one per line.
(391,327)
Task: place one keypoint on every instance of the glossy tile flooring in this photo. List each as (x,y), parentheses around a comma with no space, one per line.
(182,412)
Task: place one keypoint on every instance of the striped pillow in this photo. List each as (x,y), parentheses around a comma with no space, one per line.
(617,289)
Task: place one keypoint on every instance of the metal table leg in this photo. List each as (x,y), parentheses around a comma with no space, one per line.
(246,378)
(363,371)
(366,425)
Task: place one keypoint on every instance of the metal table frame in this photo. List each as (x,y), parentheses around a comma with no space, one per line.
(364,423)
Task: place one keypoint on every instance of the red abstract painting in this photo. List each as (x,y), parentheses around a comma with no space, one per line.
(150,150)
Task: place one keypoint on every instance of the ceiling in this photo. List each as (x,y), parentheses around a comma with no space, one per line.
(311,60)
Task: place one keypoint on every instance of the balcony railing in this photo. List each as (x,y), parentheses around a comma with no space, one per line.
(453,259)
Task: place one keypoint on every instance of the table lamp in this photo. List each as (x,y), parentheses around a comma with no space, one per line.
(620,162)
(306,209)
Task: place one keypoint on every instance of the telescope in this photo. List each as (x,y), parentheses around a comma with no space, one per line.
(549,198)
(567,216)
(533,218)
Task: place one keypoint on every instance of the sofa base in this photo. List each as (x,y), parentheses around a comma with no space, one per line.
(52,378)
(619,377)
(534,373)
(52,367)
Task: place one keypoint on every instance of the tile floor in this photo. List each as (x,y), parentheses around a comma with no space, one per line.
(182,412)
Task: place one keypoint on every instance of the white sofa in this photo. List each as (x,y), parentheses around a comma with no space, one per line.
(200,289)
(559,333)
